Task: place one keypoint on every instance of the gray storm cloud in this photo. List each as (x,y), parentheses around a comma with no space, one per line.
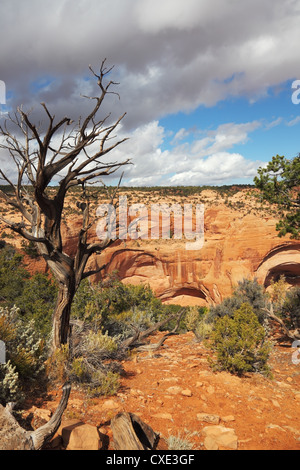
(169,55)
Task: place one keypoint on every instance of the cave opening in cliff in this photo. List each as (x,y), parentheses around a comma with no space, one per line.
(187,296)
(290,271)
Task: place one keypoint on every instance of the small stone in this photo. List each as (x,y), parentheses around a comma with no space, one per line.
(207,418)
(210,390)
(275,426)
(110,405)
(187,393)
(210,444)
(41,413)
(275,403)
(163,416)
(174,390)
(228,419)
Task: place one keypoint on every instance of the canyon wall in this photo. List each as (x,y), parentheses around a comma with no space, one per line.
(239,242)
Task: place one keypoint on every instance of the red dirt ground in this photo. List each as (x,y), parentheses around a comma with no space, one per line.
(263,412)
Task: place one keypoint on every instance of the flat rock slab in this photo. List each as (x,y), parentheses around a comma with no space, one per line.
(217,437)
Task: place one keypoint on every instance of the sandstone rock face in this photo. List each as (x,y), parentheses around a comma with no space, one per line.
(239,242)
(235,248)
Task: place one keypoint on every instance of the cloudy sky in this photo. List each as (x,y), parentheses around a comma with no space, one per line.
(207,85)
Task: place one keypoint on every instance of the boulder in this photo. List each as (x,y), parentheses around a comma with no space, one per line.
(217,437)
(84,437)
(77,435)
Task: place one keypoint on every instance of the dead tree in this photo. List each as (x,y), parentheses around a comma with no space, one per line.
(14,437)
(74,154)
(293,335)
(131,433)
(137,341)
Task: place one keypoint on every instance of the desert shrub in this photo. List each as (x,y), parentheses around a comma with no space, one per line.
(291,308)
(58,365)
(12,275)
(104,384)
(196,321)
(193,316)
(121,324)
(114,306)
(35,296)
(25,351)
(10,390)
(203,330)
(37,302)
(239,343)
(88,362)
(246,291)
(277,294)
(180,442)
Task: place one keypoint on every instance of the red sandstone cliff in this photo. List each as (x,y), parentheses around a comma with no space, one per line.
(240,241)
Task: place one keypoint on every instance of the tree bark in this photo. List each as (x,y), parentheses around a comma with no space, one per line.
(43,434)
(14,437)
(131,433)
(61,315)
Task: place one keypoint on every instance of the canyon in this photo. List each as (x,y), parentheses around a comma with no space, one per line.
(175,390)
(240,242)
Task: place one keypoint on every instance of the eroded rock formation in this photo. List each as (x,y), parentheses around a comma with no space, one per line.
(241,241)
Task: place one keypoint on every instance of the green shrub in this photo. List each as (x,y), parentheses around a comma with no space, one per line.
(25,353)
(12,275)
(203,330)
(246,291)
(291,308)
(10,390)
(87,363)
(37,302)
(35,296)
(114,306)
(193,316)
(239,343)
(104,384)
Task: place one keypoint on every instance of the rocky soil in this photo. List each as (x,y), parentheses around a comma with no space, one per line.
(179,396)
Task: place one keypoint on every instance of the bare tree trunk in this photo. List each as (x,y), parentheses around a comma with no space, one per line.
(14,437)
(291,334)
(131,433)
(61,316)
